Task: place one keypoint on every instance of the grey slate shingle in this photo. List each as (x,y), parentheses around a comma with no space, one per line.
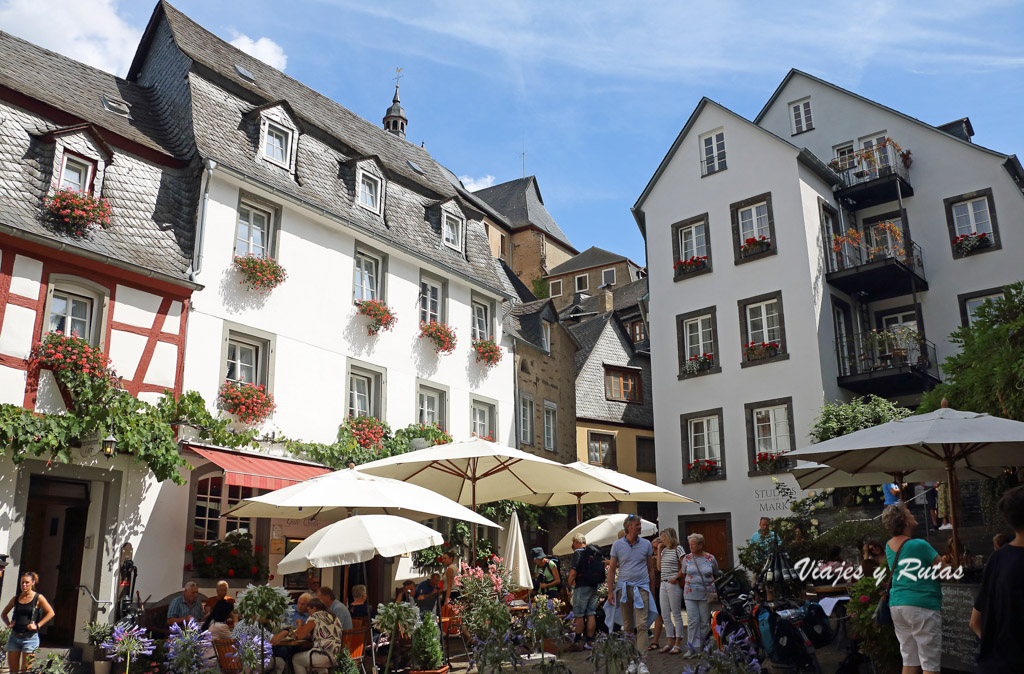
(591,257)
(521,203)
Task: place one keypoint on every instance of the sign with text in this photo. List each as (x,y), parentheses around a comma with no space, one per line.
(959,644)
(770,502)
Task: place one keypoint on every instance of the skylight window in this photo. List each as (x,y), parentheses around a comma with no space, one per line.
(116,106)
(414,166)
(245,73)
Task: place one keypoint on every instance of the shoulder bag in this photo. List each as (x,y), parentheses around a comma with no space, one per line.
(712,592)
(883,614)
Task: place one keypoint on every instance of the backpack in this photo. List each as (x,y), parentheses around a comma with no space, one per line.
(788,641)
(591,569)
(817,626)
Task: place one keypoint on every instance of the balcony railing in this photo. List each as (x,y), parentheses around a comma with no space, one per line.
(874,175)
(889,362)
(849,254)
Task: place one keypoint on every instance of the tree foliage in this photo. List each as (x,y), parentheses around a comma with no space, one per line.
(986,374)
(836,419)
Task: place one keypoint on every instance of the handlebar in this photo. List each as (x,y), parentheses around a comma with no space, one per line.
(101,605)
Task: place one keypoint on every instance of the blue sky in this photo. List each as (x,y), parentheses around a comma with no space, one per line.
(595,91)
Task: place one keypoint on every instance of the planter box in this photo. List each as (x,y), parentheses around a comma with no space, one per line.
(443,670)
(688,268)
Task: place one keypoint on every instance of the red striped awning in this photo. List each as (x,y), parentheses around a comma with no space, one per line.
(260,472)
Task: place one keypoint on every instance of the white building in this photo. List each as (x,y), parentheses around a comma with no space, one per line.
(848,313)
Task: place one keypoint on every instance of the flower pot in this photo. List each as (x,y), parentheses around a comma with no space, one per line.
(420,443)
(443,670)
(101,666)
(552,646)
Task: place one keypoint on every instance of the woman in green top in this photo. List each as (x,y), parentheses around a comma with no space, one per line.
(915,601)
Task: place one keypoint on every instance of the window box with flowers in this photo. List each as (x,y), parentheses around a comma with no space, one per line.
(235,557)
(761,350)
(692,264)
(767,462)
(487,352)
(695,365)
(76,365)
(702,469)
(381,316)
(443,336)
(76,213)
(260,272)
(251,404)
(755,246)
(968,243)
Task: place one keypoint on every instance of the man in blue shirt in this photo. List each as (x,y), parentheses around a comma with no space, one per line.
(296,614)
(892,493)
(763,537)
(633,564)
(186,606)
(426,593)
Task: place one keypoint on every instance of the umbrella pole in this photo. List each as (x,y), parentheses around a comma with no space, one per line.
(579,508)
(954,510)
(473,547)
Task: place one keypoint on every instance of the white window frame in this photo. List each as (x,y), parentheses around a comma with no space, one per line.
(767,330)
(705,336)
(482,421)
(604,277)
(693,241)
(427,285)
(551,288)
(87,164)
(424,394)
(755,223)
(225,501)
(972,222)
(70,298)
(452,225)
(845,156)
(352,407)
(526,418)
(773,429)
(709,434)
(268,229)
(365,177)
(713,155)
(277,129)
(241,343)
(481,320)
(363,292)
(800,115)
(550,425)
(545,334)
(971,305)
(586,283)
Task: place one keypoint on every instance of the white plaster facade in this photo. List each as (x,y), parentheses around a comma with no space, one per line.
(768,159)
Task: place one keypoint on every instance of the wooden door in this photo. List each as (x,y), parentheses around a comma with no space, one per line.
(716,539)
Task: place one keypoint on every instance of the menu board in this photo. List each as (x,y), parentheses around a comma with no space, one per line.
(959,643)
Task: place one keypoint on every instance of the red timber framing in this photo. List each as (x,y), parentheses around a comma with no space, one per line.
(61,262)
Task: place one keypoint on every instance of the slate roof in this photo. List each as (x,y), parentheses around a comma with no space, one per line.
(591,257)
(522,292)
(521,203)
(334,139)
(152,207)
(526,321)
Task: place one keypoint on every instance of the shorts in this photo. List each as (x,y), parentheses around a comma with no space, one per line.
(584,601)
(919,631)
(26,642)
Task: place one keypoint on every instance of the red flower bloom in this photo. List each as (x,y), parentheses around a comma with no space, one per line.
(255,570)
(234,552)
(209,560)
(231,572)
(188,548)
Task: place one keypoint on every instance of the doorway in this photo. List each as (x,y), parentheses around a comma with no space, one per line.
(717,533)
(53,545)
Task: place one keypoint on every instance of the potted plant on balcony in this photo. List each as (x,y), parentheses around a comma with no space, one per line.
(755,244)
(701,469)
(769,462)
(440,334)
(381,316)
(693,263)
(76,213)
(968,243)
(698,363)
(761,350)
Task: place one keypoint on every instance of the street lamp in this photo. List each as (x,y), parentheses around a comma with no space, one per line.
(109,446)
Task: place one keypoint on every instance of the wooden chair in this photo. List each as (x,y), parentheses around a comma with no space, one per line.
(451,626)
(355,640)
(227,656)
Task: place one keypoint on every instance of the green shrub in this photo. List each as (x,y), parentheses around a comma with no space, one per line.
(426,645)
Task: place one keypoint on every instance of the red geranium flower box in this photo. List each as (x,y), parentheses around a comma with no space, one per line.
(260,272)
(252,404)
(77,212)
(443,336)
(381,316)
(487,351)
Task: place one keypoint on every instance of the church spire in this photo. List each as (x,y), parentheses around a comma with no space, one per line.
(395,119)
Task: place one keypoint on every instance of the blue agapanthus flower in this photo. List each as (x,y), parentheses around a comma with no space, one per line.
(189,648)
(127,642)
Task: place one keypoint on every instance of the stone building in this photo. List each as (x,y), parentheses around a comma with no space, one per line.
(589,272)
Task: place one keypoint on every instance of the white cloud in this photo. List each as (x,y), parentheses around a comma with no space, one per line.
(85,30)
(264,49)
(473,184)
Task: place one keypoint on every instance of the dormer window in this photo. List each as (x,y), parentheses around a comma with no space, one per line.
(116,106)
(452,232)
(276,146)
(369,192)
(76,174)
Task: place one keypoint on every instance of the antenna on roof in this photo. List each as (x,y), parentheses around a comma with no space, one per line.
(523,154)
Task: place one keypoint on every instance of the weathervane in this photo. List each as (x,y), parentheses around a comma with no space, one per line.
(398,75)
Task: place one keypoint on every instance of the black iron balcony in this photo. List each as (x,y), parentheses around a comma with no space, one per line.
(888,363)
(875,175)
(881,271)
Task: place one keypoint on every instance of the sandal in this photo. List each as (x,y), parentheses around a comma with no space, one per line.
(666,649)
(653,647)
(675,651)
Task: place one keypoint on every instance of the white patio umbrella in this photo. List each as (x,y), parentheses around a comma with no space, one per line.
(601,530)
(946,439)
(358,539)
(477,471)
(337,495)
(818,476)
(515,559)
(630,489)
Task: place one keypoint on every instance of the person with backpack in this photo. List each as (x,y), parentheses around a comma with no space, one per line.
(587,573)
(547,579)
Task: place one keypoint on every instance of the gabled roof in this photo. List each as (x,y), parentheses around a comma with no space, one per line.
(77,90)
(523,292)
(804,155)
(91,129)
(521,203)
(525,321)
(587,335)
(623,298)
(794,72)
(591,257)
(311,107)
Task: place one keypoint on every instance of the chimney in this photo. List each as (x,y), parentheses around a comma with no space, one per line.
(606,300)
